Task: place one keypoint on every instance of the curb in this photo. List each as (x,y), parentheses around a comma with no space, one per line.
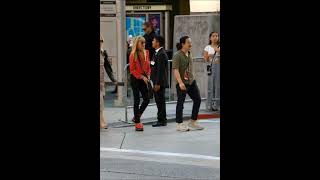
(208,116)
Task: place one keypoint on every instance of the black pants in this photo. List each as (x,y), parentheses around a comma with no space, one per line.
(194,93)
(159,96)
(138,85)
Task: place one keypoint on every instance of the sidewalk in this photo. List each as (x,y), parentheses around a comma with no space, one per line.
(115,116)
(161,153)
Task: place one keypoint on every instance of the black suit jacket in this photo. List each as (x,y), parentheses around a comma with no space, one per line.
(159,71)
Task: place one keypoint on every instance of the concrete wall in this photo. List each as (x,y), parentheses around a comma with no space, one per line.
(198,27)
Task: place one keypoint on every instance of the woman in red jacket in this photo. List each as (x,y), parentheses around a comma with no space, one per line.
(140,75)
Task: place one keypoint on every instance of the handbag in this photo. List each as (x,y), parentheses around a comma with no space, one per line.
(209,67)
(150,89)
(107,66)
(149,84)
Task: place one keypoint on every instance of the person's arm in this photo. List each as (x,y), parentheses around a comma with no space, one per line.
(133,70)
(206,55)
(217,49)
(161,69)
(175,67)
(178,77)
(160,75)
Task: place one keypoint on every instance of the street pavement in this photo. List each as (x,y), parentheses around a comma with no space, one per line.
(116,116)
(161,153)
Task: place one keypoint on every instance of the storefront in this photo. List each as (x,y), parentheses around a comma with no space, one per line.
(155,11)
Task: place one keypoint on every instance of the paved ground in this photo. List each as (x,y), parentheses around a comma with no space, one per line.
(161,153)
(116,115)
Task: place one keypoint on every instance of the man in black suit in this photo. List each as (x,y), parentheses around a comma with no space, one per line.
(159,77)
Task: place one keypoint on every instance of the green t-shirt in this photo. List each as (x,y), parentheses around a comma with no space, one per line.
(183,63)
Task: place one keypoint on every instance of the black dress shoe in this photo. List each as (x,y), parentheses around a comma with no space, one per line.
(158,124)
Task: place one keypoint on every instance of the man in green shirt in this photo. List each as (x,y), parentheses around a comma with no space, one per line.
(182,67)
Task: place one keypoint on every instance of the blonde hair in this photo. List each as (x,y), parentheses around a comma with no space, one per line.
(136,40)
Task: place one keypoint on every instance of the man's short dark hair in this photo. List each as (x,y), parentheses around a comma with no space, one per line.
(160,39)
(147,24)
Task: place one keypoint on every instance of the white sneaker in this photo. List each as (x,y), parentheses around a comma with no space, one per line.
(193,126)
(182,127)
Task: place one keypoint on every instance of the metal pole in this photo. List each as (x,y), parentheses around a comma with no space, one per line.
(126,92)
(120,19)
(167,29)
(169,78)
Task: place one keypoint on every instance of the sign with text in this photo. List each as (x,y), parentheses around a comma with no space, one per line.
(108,7)
(149,8)
(133,2)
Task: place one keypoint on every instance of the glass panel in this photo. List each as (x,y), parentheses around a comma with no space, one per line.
(155,19)
(134,24)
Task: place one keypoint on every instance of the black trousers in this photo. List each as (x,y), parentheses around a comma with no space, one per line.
(139,86)
(194,93)
(159,97)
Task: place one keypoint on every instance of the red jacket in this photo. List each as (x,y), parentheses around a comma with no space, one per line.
(135,68)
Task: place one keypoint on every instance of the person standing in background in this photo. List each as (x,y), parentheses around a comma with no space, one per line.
(211,51)
(103,123)
(148,36)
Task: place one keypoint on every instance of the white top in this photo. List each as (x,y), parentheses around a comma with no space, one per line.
(209,49)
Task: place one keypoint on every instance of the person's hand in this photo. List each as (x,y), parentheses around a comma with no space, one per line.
(182,86)
(156,88)
(217,49)
(145,80)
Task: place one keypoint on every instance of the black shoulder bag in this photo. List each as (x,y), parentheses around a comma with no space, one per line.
(149,84)
(107,66)
(209,67)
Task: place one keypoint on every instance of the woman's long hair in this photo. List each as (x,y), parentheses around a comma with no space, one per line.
(218,43)
(134,48)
